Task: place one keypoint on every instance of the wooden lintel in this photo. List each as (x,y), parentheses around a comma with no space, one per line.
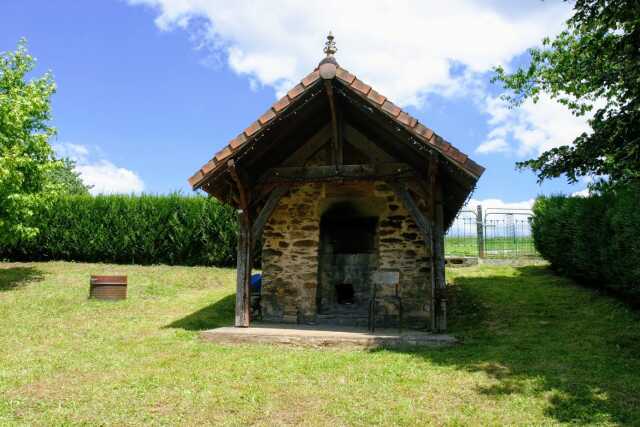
(336,140)
(266,211)
(381,171)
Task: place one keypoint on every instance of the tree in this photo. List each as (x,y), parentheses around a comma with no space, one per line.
(68,179)
(594,61)
(27,162)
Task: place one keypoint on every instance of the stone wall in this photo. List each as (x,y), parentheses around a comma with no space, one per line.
(290,256)
(402,248)
(291,244)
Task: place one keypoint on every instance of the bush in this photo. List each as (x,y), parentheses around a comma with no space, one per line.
(143,229)
(595,240)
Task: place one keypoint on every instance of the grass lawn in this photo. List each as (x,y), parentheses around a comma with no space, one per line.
(537,350)
(495,247)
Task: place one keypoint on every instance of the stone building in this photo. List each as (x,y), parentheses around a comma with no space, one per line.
(350,197)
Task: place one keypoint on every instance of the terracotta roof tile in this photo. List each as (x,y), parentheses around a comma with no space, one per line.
(222,154)
(457,155)
(193,181)
(253,128)
(267,117)
(311,78)
(281,104)
(376,97)
(440,143)
(209,166)
(473,167)
(360,86)
(237,141)
(391,108)
(345,76)
(423,131)
(407,120)
(297,90)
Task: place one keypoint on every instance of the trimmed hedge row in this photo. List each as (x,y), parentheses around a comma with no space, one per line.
(145,229)
(595,240)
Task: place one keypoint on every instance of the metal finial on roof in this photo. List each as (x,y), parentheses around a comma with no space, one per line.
(330,46)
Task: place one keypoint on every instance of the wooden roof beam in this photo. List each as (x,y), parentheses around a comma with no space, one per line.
(299,174)
(336,141)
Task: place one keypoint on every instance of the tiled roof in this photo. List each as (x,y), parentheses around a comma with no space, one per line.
(375,99)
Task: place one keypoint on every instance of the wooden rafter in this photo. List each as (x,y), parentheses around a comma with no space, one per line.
(309,148)
(365,145)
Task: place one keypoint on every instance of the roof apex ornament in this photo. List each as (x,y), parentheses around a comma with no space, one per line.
(330,46)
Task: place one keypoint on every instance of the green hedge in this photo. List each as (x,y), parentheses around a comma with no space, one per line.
(143,229)
(595,240)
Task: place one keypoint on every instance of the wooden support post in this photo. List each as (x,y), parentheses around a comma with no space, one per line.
(431,192)
(243,274)
(438,248)
(243,292)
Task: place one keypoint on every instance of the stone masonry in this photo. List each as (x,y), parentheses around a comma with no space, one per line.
(290,254)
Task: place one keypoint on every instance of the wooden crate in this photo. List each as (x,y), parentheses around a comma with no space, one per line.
(108,287)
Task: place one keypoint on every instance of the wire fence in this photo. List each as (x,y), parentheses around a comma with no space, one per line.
(494,233)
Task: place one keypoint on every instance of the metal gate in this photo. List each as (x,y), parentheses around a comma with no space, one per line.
(496,233)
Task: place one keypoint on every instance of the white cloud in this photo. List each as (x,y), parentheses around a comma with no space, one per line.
(499,204)
(406,49)
(494,145)
(76,152)
(107,178)
(582,193)
(101,174)
(532,127)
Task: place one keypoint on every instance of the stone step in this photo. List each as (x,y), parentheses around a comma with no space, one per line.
(343,319)
(346,314)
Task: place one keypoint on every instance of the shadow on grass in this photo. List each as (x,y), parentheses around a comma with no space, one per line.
(220,313)
(13,277)
(539,336)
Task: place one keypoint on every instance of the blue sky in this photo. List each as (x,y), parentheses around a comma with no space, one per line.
(148,90)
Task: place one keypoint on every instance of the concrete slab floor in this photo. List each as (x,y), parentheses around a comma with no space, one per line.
(325,336)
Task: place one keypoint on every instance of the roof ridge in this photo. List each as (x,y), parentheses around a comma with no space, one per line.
(410,123)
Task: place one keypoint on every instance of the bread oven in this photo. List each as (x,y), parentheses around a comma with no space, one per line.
(347,256)
(302,177)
